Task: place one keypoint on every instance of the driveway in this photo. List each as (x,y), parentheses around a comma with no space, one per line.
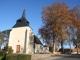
(63,57)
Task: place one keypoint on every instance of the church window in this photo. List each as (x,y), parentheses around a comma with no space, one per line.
(19,20)
(18,40)
(27,22)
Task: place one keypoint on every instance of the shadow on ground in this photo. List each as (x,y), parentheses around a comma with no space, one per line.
(68,56)
(62,57)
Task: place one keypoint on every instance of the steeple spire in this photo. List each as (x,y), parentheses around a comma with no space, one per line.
(24,14)
(21,22)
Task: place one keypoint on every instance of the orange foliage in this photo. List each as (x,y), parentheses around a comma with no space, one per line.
(56,19)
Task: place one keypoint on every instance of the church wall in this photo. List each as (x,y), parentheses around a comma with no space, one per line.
(30,43)
(36,48)
(10,39)
(17,37)
(24,37)
(45,49)
(41,49)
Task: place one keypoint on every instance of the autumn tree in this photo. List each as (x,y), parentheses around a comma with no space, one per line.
(56,19)
(78,37)
(76,42)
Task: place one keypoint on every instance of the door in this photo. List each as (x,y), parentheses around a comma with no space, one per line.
(17,48)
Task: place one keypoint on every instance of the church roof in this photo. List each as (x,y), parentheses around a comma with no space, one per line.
(36,40)
(21,22)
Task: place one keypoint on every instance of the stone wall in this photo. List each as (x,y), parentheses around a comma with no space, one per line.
(41,49)
(38,56)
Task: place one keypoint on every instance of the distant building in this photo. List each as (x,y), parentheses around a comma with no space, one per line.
(23,40)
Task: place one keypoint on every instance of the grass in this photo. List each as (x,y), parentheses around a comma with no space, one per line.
(1,57)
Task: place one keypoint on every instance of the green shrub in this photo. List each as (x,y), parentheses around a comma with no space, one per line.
(18,57)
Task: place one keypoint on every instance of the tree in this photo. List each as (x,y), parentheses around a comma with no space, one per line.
(77,42)
(7,50)
(6,34)
(56,19)
(1,39)
(69,42)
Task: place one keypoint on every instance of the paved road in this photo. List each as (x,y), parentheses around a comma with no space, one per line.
(63,57)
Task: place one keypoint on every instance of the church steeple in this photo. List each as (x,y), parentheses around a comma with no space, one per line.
(24,14)
(21,22)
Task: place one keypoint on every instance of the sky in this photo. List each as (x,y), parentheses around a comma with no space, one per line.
(11,10)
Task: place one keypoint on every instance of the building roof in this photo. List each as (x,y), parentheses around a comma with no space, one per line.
(36,40)
(21,22)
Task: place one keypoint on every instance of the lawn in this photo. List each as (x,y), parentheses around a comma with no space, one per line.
(1,57)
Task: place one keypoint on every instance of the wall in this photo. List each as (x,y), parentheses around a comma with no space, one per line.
(39,56)
(17,37)
(41,49)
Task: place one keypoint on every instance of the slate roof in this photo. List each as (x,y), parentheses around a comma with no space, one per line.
(21,22)
(36,40)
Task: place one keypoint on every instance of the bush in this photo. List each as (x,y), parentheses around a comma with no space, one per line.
(10,50)
(18,57)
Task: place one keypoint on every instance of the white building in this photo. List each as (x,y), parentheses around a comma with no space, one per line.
(22,38)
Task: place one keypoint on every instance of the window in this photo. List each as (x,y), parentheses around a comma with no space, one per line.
(27,22)
(18,40)
(19,21)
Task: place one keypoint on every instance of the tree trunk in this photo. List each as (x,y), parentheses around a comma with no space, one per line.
(53,47)
(62,48)
(77,47)
(70,46)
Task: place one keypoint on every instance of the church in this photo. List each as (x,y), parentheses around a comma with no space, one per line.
(23,40)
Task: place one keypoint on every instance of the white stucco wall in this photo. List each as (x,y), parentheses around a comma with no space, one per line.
(18,34)
(36,48)
(41,49)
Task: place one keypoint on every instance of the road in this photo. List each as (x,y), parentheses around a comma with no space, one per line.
(63,57)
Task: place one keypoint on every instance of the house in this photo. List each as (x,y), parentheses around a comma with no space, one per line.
(22,38)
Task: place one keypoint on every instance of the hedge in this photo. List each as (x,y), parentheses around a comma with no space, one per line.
(1,53)
(18,57)
(1,57)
